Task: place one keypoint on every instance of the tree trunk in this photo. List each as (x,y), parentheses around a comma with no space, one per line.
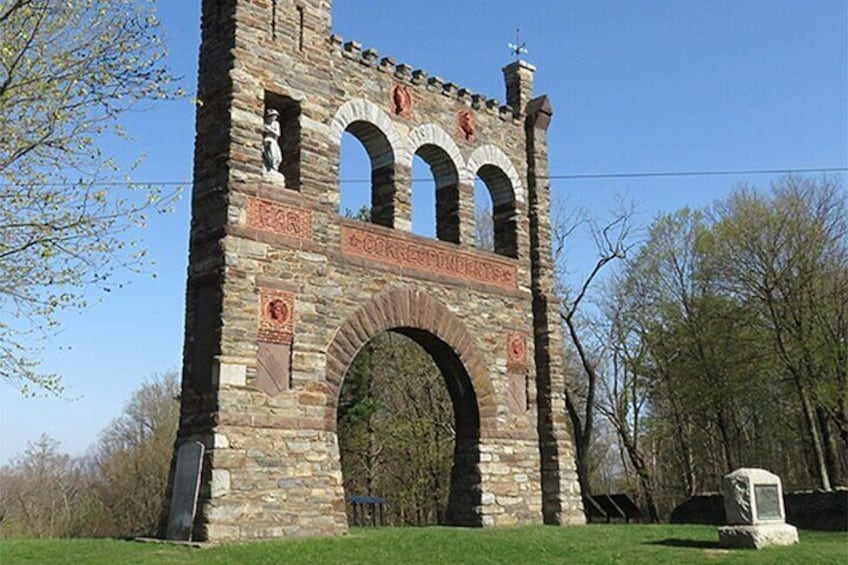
(831,450)
(645,482)
(688,465)
(582,464)
(721,421)
(581,445)
(815,438)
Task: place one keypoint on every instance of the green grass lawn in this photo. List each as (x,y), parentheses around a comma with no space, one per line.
(535,544)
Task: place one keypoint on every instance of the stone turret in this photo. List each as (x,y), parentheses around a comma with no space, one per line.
(518,76)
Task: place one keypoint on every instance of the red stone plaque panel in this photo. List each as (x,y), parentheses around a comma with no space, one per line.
(517,393)
(279,219)
(273,367)
(276,316)
(401,100)
(398,251)
(516,352)
(465,125)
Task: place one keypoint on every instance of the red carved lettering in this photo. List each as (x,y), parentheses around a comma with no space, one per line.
(279,219)
(394,250)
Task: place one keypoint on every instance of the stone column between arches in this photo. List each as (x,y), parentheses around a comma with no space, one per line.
(467,213)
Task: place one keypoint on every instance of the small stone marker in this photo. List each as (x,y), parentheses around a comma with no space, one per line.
(753,506)
(186,488)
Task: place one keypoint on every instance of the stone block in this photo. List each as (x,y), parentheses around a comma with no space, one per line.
(229,374)
(220,482)
(752,496)
(222,532)
(757,537)
(226,512)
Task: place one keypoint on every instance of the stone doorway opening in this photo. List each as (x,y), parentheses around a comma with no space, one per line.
(409,430)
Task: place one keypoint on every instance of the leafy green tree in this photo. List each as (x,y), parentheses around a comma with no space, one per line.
(693,332)
(788,256)
(68,70)
(729,339)
(358,405)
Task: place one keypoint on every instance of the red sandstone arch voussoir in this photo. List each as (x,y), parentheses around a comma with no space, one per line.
(408,308)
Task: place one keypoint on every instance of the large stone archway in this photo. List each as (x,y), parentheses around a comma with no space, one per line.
(283,290)
(445,338)
(415,314)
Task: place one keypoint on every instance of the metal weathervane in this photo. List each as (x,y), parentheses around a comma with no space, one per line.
(518,49)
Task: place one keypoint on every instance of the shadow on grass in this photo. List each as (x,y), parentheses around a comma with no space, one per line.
(693,543)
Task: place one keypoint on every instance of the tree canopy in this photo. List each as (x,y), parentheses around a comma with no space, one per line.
(68,70)
(722,344)
(116,489)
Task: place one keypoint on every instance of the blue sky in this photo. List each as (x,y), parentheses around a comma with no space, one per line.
(649,86)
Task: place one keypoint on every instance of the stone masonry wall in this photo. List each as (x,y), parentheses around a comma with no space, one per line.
(282,291)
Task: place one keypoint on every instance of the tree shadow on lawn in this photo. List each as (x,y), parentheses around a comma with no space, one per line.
(692,543)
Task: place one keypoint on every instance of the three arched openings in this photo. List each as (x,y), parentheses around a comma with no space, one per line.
(374,181)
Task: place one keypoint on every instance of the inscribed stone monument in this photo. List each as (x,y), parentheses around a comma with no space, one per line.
(185,491)
(753,507)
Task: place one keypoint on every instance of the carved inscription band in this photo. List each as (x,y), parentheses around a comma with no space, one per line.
(428,258)
(279,219)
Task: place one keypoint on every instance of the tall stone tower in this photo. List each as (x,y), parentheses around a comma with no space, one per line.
(283,291)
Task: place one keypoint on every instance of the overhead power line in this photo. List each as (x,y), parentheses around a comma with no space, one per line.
(580,176)
(575,176)
(661,174)
(101,183)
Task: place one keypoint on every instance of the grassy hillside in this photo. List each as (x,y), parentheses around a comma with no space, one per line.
(538,544)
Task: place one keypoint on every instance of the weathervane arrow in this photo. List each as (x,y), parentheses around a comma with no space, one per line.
(518,48)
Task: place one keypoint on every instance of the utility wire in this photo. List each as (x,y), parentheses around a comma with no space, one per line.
(698,173)
(99,183)
(576,176)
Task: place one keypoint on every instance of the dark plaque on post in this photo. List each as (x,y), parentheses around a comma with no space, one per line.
(767,502)
(186,488)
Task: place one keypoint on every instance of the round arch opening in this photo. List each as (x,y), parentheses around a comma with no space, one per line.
(408,429)
(380,166)
(499,214)
(443,189)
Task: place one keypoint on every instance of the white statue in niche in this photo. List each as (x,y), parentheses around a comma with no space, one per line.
(272,156)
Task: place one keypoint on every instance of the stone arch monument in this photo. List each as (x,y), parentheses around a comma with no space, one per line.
(283,291)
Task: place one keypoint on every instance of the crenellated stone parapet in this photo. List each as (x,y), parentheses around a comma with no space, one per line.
(370,57)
